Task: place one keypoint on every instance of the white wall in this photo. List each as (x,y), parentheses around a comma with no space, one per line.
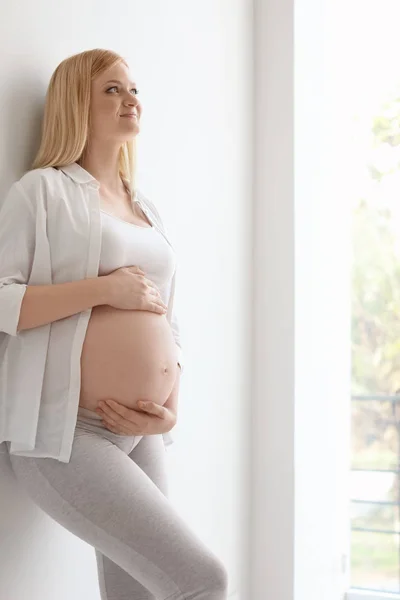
(192,62)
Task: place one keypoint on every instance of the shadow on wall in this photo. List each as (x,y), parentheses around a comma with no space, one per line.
(22,101)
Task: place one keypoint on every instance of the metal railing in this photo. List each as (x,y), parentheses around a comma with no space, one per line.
(394,421)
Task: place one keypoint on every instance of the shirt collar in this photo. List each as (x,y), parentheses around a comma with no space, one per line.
(80,175)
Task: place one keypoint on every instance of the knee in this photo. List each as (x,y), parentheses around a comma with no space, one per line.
(217,580)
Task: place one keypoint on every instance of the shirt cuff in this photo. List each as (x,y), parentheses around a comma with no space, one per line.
(11,296)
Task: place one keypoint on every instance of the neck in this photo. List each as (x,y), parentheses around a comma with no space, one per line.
(101,161)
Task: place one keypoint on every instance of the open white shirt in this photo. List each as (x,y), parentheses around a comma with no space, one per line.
(50,232)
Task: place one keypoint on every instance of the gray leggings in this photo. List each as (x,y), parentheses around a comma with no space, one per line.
(113,495)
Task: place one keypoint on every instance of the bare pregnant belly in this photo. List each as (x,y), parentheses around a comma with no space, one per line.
(127,355)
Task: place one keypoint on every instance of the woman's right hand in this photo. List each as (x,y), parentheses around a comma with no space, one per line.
(129,289)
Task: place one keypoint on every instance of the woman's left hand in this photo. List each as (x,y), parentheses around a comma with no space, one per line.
(149,420)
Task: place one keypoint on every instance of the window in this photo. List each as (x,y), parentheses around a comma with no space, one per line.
(374,97)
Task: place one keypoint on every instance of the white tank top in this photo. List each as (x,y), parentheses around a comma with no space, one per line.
(124,244)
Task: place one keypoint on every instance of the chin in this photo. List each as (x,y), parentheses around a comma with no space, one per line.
(134,127)
(127,137)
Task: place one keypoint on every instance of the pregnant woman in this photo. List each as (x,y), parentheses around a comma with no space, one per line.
(90,357)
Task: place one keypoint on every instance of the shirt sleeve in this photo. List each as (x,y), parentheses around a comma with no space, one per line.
(17,242)
(176,334)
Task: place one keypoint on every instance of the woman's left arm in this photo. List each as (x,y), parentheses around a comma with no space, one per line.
(149,419)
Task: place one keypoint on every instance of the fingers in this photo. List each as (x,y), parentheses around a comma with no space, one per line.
(152,408)
(116,427)
(110,406)
(122,424)
(158,307)
(155,292)
(127,421)
(136,269)
(153,289)
(155,303)
(155,297)
(118,413)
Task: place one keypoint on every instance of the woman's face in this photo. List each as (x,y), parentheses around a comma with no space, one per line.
(114,94)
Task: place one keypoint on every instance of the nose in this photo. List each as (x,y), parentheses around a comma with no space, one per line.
(131,102)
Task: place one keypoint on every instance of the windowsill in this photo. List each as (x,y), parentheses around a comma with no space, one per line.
(366,595)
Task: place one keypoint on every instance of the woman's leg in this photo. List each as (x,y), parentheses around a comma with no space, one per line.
(105,498)
(115,583)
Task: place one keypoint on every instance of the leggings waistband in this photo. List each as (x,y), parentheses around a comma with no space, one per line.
(84,414)
(89,420)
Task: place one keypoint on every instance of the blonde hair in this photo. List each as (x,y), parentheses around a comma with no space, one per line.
(66,120)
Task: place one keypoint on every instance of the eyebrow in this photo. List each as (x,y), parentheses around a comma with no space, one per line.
(120,82)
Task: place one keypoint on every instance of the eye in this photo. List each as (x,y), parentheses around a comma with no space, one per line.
(115,87)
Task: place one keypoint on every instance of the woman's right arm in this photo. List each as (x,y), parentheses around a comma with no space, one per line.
(24,306)
(43,304)
(125,288)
